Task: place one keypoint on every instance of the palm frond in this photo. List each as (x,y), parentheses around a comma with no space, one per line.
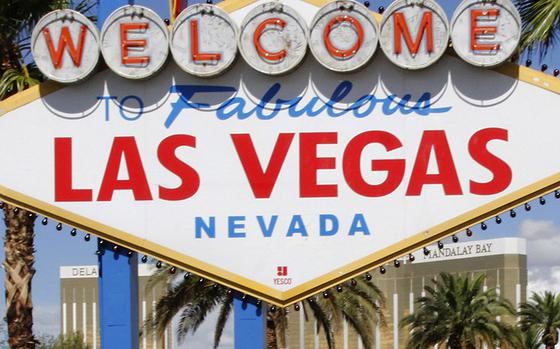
(541,24)
(457,312)
(541,314)
(225,312)
(323,321)
(14,80)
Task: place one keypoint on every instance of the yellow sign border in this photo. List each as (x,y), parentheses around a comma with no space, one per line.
(321,283)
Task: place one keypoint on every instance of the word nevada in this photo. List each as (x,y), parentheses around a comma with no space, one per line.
(274,38)
(235,227)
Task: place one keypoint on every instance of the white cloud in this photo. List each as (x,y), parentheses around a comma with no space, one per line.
(533,229)
(204,336)
(543,254)
(46,320)
(544,279)
(543,242)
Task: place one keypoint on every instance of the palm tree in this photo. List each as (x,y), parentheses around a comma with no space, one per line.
(359,302)
(528,339)
(542,314)
(17,19)
(18,248)
(541,24)
(18,72)
(456,313)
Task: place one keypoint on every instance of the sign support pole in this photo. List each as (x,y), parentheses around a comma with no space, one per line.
(118,272)
(249,325)
(118,297)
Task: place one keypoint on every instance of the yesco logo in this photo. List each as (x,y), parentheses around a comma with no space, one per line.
(273,38)
(282,279)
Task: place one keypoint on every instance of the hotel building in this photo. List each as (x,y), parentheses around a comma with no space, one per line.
(80,305)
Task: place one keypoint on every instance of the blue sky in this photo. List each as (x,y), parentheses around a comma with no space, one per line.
(541,226)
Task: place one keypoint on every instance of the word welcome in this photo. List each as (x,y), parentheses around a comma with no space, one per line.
(273,38)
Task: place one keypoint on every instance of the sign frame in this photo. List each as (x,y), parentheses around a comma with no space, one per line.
(331,279)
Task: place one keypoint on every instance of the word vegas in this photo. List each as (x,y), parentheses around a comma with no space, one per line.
(262,175)
(274,38)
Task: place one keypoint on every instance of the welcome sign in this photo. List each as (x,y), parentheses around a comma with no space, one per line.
(279,186)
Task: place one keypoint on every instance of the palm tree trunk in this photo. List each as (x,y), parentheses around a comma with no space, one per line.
(455,342)
(271,341)
(18,248)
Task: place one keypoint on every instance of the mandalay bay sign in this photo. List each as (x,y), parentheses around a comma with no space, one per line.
(327,141)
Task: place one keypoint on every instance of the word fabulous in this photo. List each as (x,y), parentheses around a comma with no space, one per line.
(273,38)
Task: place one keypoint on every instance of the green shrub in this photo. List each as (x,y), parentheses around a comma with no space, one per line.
(71,341)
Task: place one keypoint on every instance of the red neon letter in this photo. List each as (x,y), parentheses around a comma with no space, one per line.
(190,181)
(196,55)
(271,56)
(336,52)
(499,168)
(262,182)
(401,28)
(63,190)
(65,40)
(137,182)
(447,175)
(309,163)
(476,30)
(351,164)
(126,43)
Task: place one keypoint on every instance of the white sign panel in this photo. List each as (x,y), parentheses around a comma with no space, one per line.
(282,186)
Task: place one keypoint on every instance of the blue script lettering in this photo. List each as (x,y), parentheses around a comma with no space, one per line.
(237,107)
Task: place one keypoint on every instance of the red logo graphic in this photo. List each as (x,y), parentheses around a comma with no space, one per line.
(282,271)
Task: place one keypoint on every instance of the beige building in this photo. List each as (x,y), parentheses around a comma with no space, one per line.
(80,306)
(504,261)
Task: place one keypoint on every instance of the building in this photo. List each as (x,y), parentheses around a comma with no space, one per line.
(504,261)
(79,305)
